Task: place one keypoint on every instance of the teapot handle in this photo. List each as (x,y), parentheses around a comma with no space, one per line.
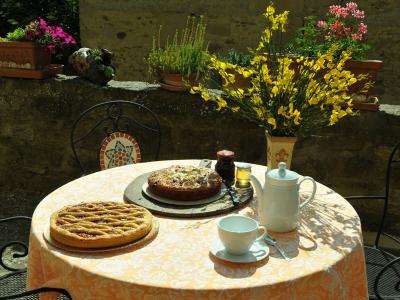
(311,197)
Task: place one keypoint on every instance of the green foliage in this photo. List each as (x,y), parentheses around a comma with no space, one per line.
(311,41)
(186,54)
(18,13)
(102,62)
(237,58)
(306,39)
(18,35)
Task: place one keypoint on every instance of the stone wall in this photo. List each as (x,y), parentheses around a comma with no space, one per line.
(36,157)
(127,27)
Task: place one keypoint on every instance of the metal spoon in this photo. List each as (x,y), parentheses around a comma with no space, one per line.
(270,240)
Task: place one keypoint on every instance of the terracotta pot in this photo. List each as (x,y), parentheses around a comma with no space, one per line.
(279,149)
(240,81)
(173,79)
(176,82)
(23,55)
(370,67)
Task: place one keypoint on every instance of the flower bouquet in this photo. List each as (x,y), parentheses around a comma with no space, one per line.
(287,93)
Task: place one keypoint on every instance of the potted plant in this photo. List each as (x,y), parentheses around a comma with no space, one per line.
(284,100)
(181,60)
(30,48)
(239,60)
(345,29)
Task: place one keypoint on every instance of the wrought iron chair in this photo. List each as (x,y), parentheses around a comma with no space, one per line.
(13,282)
(122,129)
(383,265)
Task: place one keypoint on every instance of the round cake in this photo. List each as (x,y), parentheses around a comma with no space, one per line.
(100,224)
(185,183)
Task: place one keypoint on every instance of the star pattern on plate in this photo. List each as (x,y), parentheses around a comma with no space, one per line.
(119,149)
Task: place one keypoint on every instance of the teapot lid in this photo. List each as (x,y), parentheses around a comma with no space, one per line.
(283,175)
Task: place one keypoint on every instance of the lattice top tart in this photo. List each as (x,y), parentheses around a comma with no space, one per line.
(185,182)
(100,224)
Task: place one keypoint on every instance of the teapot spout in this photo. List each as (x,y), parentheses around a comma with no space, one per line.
(257,185)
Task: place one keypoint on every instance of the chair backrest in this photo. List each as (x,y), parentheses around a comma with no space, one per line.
(116,133)
(393,161)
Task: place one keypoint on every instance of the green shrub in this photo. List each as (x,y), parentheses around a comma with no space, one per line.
(17,35)
(237,58)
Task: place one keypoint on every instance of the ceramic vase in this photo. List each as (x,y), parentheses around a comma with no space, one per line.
(279,149)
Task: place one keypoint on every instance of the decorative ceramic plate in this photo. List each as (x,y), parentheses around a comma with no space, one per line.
(134,194)
(147,192)
(119,149)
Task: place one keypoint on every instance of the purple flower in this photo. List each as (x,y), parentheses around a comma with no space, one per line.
(29,34)
(51,37)
(42,23)
(50,48)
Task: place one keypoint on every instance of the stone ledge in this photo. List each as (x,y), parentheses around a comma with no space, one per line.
(390,109)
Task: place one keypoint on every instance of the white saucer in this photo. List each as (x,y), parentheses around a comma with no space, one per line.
(258,251)
(146,191)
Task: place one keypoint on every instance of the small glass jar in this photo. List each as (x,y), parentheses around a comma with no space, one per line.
(243,171)
(225,166)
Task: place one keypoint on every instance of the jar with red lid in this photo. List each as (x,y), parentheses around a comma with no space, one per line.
(225,166)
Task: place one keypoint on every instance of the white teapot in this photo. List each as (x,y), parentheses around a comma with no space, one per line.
(278,200)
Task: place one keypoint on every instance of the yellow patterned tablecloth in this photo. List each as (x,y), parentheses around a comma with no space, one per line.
(328,258)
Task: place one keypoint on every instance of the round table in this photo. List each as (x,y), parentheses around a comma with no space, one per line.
(326,250)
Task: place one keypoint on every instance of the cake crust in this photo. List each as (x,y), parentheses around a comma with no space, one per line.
(185,183)
(100,224)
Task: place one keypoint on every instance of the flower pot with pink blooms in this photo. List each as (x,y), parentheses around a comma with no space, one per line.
(26,52)
(345,29)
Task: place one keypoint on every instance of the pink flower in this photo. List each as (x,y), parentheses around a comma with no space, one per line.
(338,11)
(356,37)
(351,6)
(358,14)
(362,28)
(42,24)
(346,31)
(29,34)
(336,27)
(322,24)
(50,48)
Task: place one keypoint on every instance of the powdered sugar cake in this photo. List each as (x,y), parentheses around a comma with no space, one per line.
(185,182)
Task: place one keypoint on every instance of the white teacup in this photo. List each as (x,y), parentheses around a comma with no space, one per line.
(238,233)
